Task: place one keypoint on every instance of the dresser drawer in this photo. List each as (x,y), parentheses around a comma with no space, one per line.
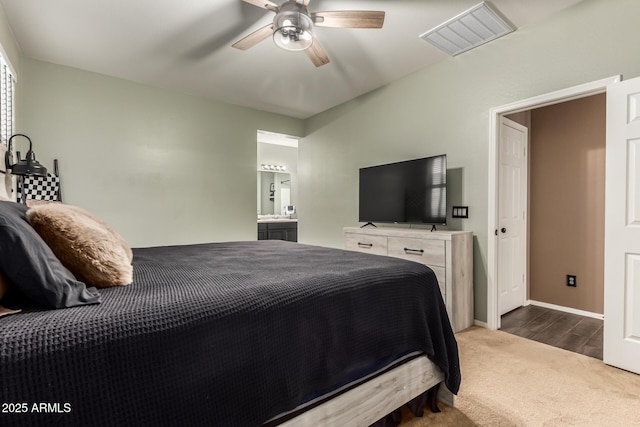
(363,243)
(424,251)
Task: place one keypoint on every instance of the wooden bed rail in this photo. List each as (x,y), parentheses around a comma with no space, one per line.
(372,400)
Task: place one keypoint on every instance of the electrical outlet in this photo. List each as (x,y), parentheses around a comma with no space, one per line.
(571,281)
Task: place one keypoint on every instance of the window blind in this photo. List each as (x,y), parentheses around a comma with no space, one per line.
(7,92)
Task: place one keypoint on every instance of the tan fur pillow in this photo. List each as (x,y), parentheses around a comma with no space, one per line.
(115,234)
(89,248)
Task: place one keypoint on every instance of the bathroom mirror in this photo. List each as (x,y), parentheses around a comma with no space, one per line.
(274,192)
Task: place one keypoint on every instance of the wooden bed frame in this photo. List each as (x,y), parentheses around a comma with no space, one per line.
(372,400)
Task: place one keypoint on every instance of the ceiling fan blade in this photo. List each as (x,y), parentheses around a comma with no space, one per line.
(265,4)
(316,54)
(349,19)
(254,38)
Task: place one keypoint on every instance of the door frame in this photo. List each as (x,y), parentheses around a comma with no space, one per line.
(563,95)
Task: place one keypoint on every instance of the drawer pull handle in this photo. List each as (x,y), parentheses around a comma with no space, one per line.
(414,251)
(365,245)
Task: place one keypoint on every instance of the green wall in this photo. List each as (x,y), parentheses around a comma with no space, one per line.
(159,166)
(445,109)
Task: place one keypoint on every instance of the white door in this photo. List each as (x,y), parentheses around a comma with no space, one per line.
(622,227)
(512,200)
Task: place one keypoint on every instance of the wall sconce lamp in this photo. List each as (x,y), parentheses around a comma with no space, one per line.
(28,166)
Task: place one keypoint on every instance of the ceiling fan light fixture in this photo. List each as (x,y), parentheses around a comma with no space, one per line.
(292,30)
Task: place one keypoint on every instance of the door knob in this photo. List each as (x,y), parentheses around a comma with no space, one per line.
(504,230)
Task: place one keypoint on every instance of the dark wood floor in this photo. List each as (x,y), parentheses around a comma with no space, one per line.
(565,330)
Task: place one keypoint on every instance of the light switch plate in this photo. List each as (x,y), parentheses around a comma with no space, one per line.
(460,212)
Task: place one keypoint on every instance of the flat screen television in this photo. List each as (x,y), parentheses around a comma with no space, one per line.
(413,191)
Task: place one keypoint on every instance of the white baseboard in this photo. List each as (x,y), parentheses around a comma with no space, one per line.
(566,309)
(477,322)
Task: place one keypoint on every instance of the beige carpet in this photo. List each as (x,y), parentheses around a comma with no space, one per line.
(511,381)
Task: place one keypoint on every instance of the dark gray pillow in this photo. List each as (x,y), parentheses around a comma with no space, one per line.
(31,266)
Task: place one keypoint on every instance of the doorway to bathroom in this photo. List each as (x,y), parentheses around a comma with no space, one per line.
(277,186)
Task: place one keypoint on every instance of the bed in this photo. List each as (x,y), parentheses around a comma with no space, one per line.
(234,334)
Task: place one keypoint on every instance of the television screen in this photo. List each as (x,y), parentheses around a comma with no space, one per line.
(414,191)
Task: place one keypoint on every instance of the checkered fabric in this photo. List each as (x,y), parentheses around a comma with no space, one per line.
(39,188)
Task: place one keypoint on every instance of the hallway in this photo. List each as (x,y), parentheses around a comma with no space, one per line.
(556,328)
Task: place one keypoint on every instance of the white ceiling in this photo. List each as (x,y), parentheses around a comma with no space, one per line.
(186,45)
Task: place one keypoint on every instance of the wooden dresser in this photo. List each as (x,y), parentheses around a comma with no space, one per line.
(448,253)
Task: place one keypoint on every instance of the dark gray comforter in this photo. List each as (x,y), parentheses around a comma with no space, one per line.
(227,334)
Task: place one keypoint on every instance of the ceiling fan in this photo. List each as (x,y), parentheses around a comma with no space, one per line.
(291,28)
